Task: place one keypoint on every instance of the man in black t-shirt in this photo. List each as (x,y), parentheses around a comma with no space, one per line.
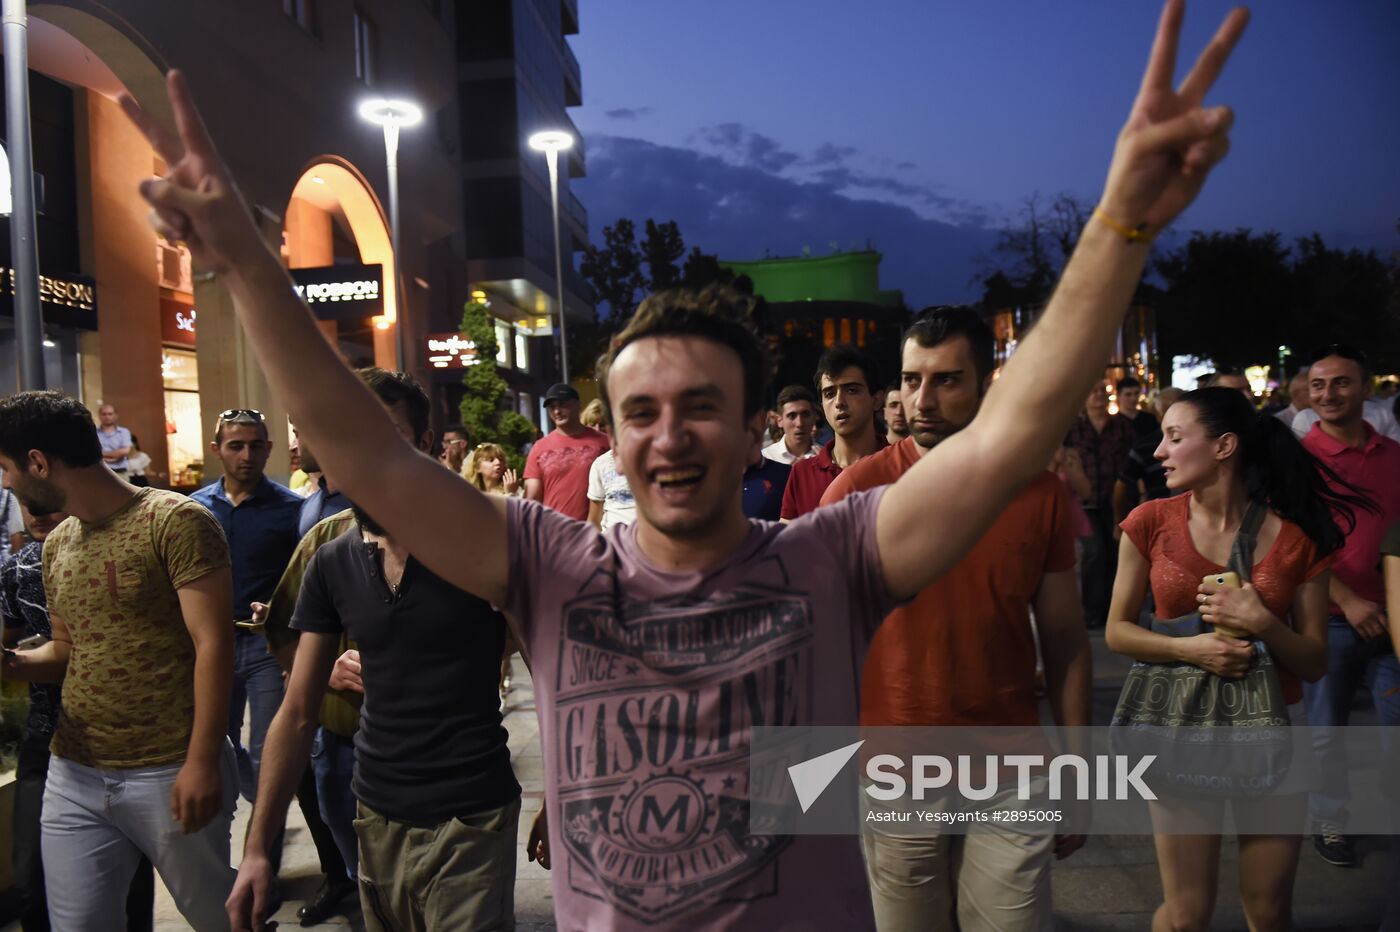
(438,801)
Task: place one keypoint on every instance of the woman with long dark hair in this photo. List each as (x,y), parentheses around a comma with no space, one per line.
(1220,456)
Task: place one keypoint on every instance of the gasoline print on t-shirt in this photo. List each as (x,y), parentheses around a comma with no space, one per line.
(653,746)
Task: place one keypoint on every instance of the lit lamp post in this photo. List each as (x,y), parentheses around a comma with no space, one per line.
(391,116)
(551,143)
(24,245)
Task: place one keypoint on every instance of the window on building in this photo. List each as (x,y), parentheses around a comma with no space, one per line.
(303,11)
(522,352)
(845,330)
(503,342)
(364,47)
(828,332)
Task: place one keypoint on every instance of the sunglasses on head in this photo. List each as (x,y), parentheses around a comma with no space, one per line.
(239,414)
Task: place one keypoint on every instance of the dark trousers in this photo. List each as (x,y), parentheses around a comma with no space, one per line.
(332,864)
(31,773)
(1098,566)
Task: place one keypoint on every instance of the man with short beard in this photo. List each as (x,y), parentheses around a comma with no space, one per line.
(140,596)
(438,801)
(963,652)
(259,518)
(896,423)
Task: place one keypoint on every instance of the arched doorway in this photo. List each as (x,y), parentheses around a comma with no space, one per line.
(336,235)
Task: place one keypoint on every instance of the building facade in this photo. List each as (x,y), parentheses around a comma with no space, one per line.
(814,302)
(518,76)
(129,320)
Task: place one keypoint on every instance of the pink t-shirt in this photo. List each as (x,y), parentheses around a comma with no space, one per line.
(647,684)
(561,462)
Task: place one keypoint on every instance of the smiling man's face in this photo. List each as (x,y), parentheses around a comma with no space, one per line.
(680,431)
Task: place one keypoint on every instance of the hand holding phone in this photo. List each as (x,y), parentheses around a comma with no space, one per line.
(1225,580)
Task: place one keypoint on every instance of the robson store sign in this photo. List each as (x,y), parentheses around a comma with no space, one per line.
(335,292)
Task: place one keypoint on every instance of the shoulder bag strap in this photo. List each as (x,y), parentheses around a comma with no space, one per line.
(1242,550)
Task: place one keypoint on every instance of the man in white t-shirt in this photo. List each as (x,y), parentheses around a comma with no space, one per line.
(610,498)
(797,416)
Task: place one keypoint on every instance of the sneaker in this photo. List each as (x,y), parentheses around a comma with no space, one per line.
(1334,847)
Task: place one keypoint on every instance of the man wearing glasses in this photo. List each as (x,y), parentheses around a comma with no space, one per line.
(455,447)
(259,518)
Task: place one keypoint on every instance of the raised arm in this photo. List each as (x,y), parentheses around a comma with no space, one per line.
(198,203)
(1164,152)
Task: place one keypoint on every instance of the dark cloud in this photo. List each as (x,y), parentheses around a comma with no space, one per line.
(627,113)
(743,211)
(746,147)
(828,166)
(830,154)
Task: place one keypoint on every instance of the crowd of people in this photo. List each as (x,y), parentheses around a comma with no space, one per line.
(679,562)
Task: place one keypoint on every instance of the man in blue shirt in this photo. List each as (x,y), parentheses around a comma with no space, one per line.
(259,518)
(115,440)
(765,481)
(324,501)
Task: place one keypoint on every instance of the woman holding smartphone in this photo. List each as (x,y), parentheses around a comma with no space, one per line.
(1220,456)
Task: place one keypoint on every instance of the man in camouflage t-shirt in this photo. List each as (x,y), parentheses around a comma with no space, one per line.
(139,596)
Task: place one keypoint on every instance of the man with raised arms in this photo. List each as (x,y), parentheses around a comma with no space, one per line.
(649,673)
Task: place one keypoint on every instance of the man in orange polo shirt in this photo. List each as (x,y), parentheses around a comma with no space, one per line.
(963,653)
(846,381)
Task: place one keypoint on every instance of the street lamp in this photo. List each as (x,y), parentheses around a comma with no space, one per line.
(391,116)
(551,143)
(24,244)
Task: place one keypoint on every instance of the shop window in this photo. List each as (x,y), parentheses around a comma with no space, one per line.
(183,428)
(845,330)
(364,47)
(828,332)
(860,332)
(522,352)
(503,342)
(788,327)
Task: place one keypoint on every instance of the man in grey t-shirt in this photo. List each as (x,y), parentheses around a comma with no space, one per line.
(669,642)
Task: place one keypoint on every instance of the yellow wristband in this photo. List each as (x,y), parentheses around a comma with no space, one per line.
(1137,234)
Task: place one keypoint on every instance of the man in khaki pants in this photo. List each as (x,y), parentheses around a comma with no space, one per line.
(438,801)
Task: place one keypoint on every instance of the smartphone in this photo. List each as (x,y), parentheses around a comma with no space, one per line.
(249,625)
(1226,580)
(31,642)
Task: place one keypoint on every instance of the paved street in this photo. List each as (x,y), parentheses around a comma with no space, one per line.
(1110,884)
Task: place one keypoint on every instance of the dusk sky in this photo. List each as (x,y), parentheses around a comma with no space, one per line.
(922,125)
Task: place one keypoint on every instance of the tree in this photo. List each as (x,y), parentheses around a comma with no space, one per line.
(615,271)
(483,415)
(1038,250)
(661,249)
(1237,297)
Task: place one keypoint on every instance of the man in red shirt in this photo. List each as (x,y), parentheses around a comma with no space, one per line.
(556,471)
(846,381)
(1339,381)
(963,653)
